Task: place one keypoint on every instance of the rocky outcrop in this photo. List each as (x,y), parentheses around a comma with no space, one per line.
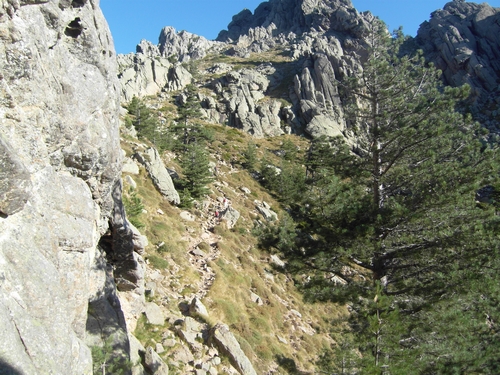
(463,40)
(60,190)
(183,46)
(178,78)
(154,68)
(316,96)
(224,340)
(159,174)
(284,20)
(242,95)
(142,74)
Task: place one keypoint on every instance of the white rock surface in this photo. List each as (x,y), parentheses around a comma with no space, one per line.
(59,136)
(159,174)
(154,314)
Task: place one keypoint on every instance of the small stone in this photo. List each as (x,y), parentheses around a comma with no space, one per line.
(160,211)
(212,352)
(205,366)
(151,288)
(159,348)
(130,181)
(256,299)
(199,253)
(296,313)
(245,190)
(187,216)
(169,343)
(282,340)
(216,361)
(277,261)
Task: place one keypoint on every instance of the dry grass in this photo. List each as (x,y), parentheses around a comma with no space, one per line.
(241,268)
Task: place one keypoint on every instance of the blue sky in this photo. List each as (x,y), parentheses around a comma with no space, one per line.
(133,20)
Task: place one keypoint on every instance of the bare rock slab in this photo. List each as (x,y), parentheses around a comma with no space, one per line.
(159,174)
(154,363)
(154,315)
(227,344)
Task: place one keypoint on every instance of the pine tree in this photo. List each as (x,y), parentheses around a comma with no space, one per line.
(196,170)
(188,129)
(143,119)
(405,211)
(250,156)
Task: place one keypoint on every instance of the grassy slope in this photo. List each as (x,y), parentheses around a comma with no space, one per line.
(271,333)
(281,336)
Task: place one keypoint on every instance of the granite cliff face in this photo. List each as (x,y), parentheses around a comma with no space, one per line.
(463,40)
(60,189)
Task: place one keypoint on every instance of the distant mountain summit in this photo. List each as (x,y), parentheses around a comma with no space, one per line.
(295,17)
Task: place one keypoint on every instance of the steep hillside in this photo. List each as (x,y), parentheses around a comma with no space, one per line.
(273,74)
(205,272)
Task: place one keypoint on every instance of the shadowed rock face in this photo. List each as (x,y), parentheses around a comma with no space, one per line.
(463,40)
(60,192)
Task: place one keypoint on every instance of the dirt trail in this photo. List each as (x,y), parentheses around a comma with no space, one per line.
(200,258)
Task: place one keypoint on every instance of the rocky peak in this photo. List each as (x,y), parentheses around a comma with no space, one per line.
(463,40)
(295,17)
(183,45)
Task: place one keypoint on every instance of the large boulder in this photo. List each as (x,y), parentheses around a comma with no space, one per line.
(231,216)
(224,340)
(159,174)
(154,362)
(154,314)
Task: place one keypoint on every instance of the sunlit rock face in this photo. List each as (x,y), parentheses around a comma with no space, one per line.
(463,40)
(60,189)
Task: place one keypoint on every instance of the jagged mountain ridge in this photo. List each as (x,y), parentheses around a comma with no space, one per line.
(295,17)
(463,41)
(324,42)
